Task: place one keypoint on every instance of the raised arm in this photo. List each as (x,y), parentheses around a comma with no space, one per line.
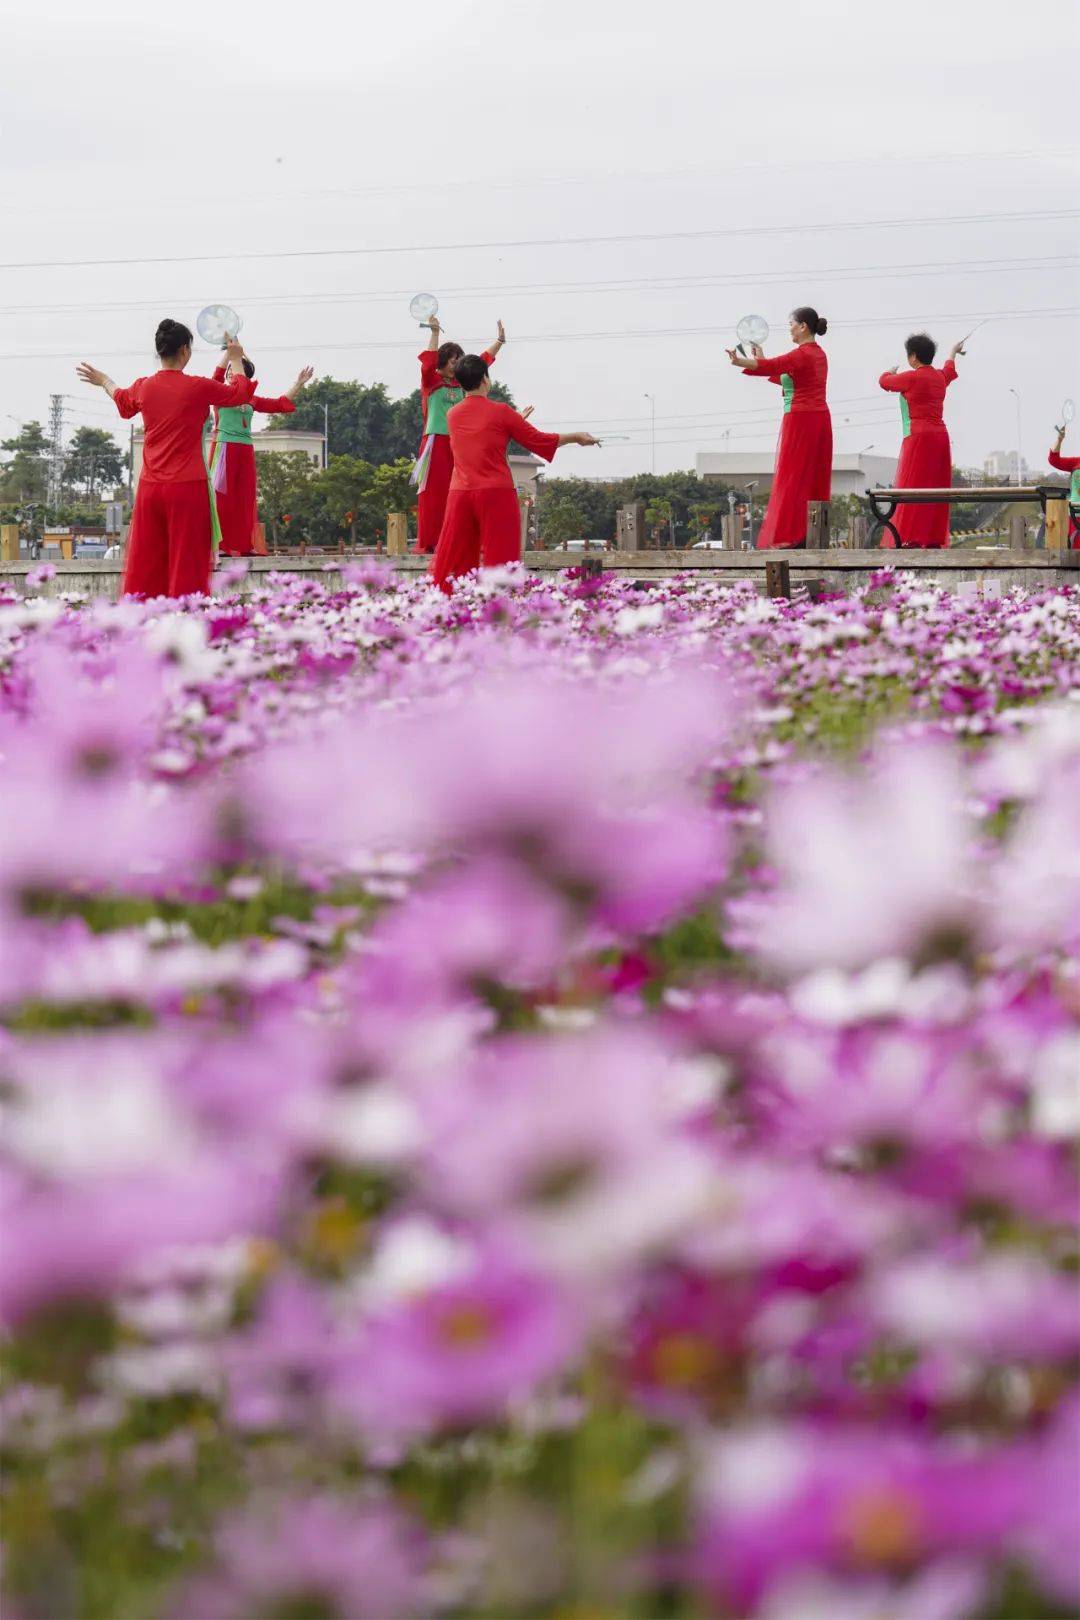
(239,389)
(894,381)
(283,404)
(491,353)
(435,333)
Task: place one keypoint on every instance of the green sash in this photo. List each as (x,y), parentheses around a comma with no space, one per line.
(787,383)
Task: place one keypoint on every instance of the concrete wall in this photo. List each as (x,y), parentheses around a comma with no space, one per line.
(840,570)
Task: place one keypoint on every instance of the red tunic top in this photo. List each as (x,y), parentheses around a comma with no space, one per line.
(923,389)
(431,380)
(174,408)
(1067,464)
(808,367)
(480,430)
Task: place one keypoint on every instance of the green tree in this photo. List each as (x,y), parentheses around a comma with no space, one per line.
(25,476)
(362,419)
(284,489)
(595,502)
(659,515)
(94,460)
(563,520)
(345,492)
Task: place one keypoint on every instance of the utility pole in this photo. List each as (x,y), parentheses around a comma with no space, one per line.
(652,408)
(56,454)
(1019,441)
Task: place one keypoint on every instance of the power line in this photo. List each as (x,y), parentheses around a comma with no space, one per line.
(723,331)
(555,241)
(605,285)
(517,182)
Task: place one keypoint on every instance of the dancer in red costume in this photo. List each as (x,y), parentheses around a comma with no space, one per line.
(1071,465)
(926,456)
(170,547)
(482,526)
(435,463)
(232,462)
(804,460)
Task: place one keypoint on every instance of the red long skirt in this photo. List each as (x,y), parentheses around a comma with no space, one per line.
(170,549)
(482,528)
(925,463)
(431,505)
(236,493)
(803,473)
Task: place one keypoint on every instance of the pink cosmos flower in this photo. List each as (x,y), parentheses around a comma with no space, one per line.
(784,1502)
(462,1351)
(873,866)
(571,1145)
(339,1557)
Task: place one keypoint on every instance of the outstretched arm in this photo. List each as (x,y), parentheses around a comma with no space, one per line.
(435,333)
(893,380)
(97,379)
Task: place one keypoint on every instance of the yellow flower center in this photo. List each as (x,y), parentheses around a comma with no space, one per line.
(882,1527)
(683,1360)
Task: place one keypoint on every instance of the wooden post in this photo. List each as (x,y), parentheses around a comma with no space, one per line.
(397,534)
(857,531)
(1057,524)
(1018,532)
(727,531)
(817,526)
(777,577)
(9,542)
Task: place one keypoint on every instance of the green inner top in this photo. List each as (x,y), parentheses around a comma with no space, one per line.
(787,383)
(438,405)
(234,424)
(1074,487)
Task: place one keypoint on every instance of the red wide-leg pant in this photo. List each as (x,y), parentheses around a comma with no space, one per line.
(170,551)
(482,528)
(803,473)
(235,493)
(431,503)
(925,463)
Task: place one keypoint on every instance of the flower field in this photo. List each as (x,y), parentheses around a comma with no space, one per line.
(557,1102)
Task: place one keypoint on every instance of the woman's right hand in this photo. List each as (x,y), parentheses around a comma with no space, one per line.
(234,351)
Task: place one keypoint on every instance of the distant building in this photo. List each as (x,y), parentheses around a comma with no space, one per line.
(288,441)
(1002,464)
(851,474)
(275,441)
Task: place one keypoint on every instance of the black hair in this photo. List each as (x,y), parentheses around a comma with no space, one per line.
(471,371)
(170,338)
(249,367)
(922,346)
(817,323)
(448,352)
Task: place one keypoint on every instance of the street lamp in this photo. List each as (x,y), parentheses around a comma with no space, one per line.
(1015,392)
(652,407)
(326,436)
(751,485)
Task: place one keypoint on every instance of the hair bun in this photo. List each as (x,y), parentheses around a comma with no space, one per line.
(822,326)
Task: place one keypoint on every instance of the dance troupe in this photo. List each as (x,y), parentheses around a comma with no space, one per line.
(196,496)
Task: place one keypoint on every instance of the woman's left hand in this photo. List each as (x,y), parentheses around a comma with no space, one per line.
(303,378)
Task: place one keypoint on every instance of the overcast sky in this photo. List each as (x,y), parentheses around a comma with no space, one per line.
(743,155)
